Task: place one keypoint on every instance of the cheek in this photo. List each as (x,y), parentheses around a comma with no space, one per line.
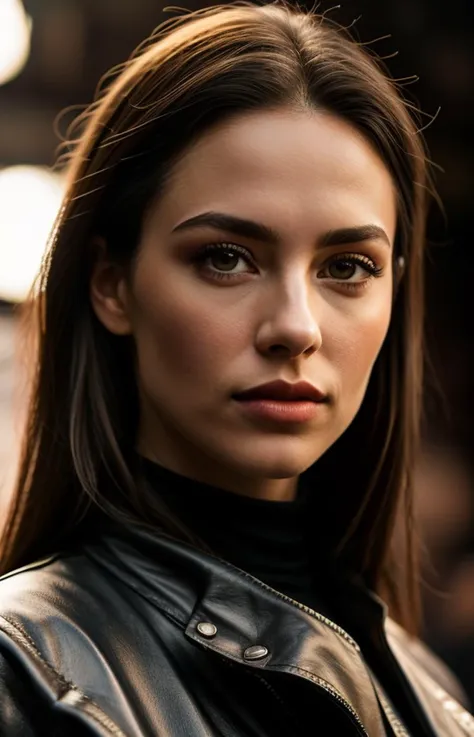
(182,336)
(357,340)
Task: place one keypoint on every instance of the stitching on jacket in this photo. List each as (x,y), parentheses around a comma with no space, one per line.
(282,597)
(35,566)
(291,668)
(147,594)
(95,711)
(316,679)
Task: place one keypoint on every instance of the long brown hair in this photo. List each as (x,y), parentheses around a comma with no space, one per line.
(77,453)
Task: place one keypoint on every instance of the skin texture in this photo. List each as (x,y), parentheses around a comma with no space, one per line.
(292,310)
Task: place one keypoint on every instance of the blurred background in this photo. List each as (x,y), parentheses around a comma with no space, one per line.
(52,54)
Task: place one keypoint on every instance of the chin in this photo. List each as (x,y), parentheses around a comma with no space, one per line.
(274,463)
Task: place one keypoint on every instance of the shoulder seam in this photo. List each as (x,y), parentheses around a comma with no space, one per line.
(34,566)
(18,635)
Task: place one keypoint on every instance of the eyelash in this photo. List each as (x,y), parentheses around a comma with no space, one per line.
(358,259)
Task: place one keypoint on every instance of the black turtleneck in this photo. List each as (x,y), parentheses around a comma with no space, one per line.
(268,539)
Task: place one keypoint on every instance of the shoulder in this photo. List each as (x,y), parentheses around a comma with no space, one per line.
(43,606)
(57,600)
(49,587)
(60,621)
(39,635)
(55,608)
(415,654)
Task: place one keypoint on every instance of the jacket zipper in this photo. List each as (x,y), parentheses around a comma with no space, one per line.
(395,723)
(321,684)
(333,693)
(278,698)
(337,696)
(269,688)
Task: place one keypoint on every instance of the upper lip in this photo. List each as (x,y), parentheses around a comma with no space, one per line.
(283,390)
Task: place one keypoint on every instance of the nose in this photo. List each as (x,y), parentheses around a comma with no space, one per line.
(291,327)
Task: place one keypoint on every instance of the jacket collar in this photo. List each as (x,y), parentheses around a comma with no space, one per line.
(227,611)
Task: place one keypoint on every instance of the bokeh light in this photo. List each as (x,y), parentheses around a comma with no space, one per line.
(30,198)
(15,33)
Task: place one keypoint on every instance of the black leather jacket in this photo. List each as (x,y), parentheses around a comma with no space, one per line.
(142,636)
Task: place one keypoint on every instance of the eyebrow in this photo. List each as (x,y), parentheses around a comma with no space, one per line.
(257,231)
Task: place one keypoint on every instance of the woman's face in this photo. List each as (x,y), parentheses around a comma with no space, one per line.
(290,278)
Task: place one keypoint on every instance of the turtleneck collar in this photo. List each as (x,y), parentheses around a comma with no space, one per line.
(268,539)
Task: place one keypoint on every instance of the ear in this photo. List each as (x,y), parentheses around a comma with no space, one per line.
(109,291)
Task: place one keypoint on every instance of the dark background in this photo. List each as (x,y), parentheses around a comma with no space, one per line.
(430,51)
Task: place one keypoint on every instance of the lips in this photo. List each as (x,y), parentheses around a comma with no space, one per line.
(283,391)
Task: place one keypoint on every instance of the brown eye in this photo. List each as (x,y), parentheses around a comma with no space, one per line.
(223,260)
(351,270)
(342,269)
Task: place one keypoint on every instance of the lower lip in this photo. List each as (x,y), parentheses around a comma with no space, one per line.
(280,410)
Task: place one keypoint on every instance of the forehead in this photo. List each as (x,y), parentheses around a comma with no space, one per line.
(285,166)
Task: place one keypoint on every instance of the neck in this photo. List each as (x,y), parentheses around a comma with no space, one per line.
(208,472)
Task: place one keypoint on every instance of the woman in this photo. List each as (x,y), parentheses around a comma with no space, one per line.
(225,404)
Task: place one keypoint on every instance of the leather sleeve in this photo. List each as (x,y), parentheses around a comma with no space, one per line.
(20,713)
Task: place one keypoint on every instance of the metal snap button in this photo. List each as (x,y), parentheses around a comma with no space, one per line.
(207,629)
(255,652)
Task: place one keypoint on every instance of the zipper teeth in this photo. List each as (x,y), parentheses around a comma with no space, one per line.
(336,695)
(268,687)
(332,692)
(393,719)
(395,722)
(276,696)
(317,615)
